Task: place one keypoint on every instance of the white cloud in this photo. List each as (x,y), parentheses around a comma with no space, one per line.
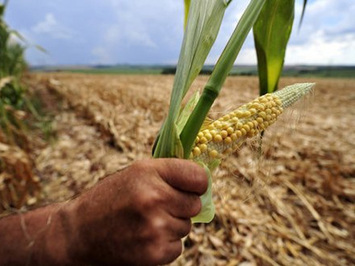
(142,31)
(320,50)
(139,28)
(327,35)
(51,27)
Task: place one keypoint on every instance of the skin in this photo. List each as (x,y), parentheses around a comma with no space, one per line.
(136,216)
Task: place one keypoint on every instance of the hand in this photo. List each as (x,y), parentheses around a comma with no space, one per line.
(136,216)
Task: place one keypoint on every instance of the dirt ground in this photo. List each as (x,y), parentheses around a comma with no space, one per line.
(293,205)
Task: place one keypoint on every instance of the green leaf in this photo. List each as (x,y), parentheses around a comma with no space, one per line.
(271,34)
(208,210)
(204,20)
(186,111)
(303,11)
(219,74)
(2,10)
(187,7)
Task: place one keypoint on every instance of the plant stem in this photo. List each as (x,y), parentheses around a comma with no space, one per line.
(219,75)
(196,119)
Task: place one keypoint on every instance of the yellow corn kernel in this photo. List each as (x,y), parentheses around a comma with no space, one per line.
(213,153)
(251,133)
(262,115)
(224,134)
(246,114)
(251,124)
(234,120)
(213,132)
(230,130)
(246,128)
(239,125)
(226,118)
(239,114)
(217,138)
(196,151)
(228,140)
(203,140)
(203,147)
(208,136)
(217,124)
(234,136)
(239,133)
(259,120)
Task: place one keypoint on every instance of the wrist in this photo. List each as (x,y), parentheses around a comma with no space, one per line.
(59,236)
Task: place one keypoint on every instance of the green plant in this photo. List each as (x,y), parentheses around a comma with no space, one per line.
(12,65)
(14,97)
(179,132)
(272,31)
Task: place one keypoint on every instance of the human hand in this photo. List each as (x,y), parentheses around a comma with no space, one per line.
(137,216)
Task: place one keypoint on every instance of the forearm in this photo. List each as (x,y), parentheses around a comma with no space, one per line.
(38,237)
(134,217)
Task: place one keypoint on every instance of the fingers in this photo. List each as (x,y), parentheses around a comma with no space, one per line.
(179,228)
(173,251)
(183,205)
(182,175)
(163,254)
(178,186)
(167,246)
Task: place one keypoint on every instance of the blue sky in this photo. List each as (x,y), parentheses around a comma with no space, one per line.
(150,32)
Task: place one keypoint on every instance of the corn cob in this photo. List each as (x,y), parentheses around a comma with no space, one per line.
(227,134)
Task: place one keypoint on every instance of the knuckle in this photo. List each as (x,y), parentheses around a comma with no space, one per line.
(155,228)
(195,205)
(158,225)
(201,178)
(147,200)
(187,228)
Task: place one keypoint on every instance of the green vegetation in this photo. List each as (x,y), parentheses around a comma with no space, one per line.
(272,31)
(12,66)
(237,70)
(18,109)
(186,125)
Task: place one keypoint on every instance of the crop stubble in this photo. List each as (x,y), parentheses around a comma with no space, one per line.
(291,205)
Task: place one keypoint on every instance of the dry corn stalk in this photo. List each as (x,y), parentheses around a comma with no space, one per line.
(18,185)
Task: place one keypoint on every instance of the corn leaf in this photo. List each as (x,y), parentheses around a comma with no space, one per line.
(204,20)
(208,210)
(187,7)
(219,74)
(271,34)
(186,111)
(302,15)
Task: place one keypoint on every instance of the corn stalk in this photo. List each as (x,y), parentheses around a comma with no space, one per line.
(185,133)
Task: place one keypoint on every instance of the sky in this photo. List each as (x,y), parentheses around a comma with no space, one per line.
(89,32)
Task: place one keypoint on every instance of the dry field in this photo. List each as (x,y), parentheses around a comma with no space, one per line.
(293,204)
